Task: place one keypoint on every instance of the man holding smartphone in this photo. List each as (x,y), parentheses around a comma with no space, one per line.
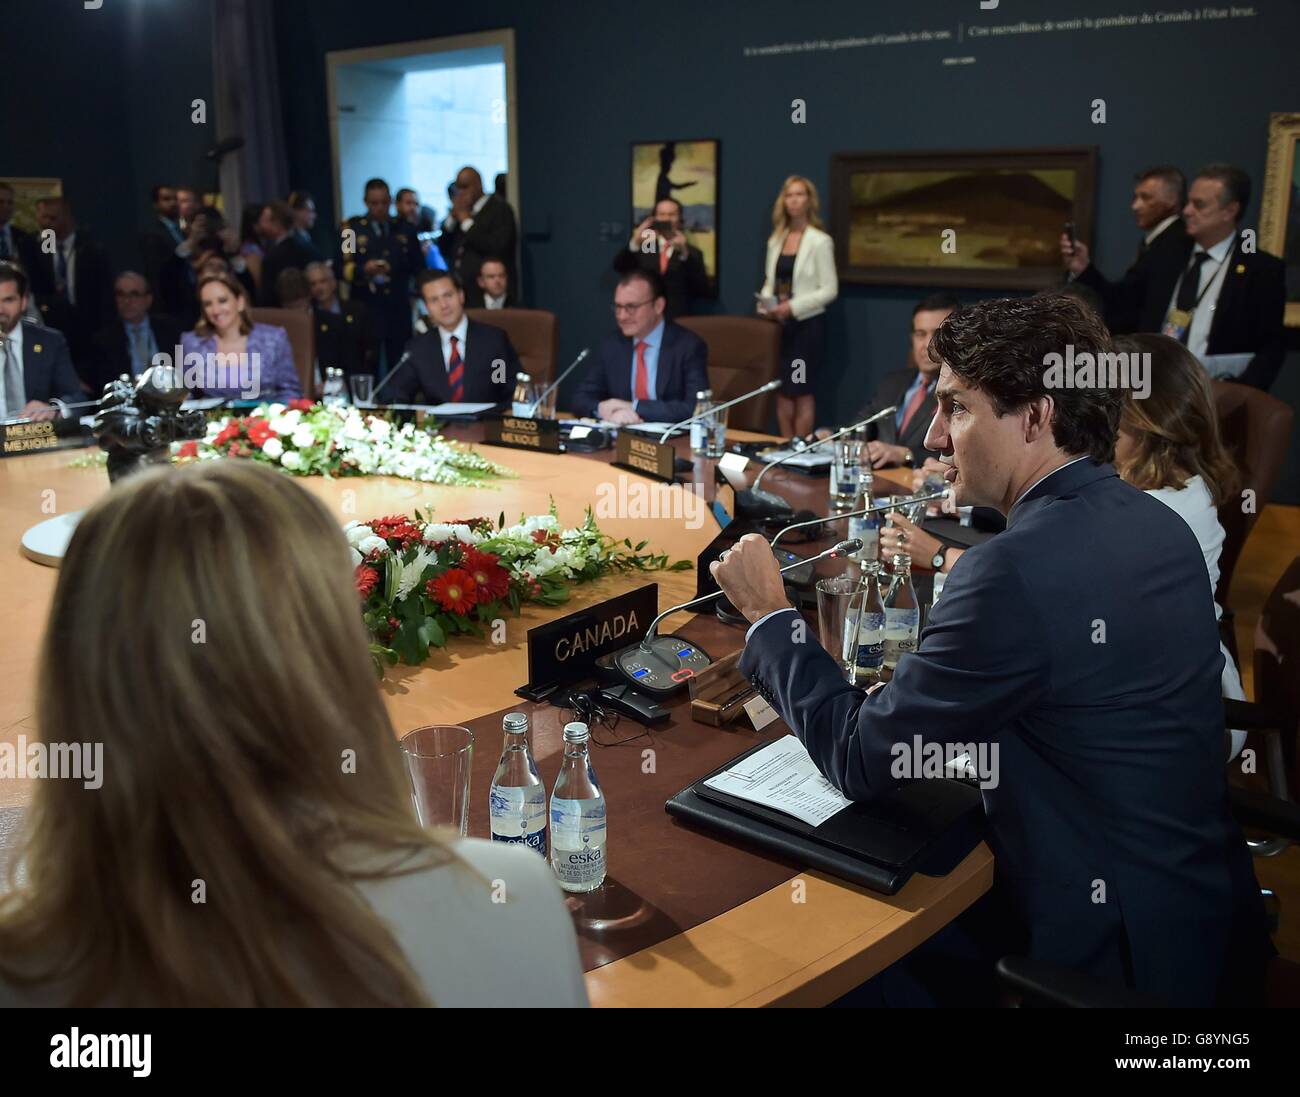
(658,245)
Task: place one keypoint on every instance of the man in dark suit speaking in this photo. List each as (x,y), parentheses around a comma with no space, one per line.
(652,370)
(1081,646)
(457,360)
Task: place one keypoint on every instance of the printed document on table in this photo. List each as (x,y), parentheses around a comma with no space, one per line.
(782,777)
(459,409)
(809,459)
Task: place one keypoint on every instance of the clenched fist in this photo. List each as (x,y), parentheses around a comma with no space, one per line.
(751,578)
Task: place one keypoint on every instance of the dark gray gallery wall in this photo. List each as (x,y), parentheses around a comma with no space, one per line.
(106,107)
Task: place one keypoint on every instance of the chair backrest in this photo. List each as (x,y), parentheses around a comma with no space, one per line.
(1256,429)
(534,333)
(1277,649)
(302,341)
(744,352)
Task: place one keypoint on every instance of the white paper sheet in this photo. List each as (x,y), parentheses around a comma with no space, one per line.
(813,459)
(782,777)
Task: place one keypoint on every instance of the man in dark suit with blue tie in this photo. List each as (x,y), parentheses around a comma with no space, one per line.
(651,371)
(457,360)
(1080,648)
(128,343)
(35,367)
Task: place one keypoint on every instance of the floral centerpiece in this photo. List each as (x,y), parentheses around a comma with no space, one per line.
(422,582)
(309,439)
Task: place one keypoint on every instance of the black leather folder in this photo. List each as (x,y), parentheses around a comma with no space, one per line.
(925,826)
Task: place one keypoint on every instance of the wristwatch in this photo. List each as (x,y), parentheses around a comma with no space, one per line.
(909,459)
(939,558)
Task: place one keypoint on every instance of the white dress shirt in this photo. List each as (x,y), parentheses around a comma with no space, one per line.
(1213,271)
(451,222)
(490,302)
(16,353)
(459,332)
(1160,228)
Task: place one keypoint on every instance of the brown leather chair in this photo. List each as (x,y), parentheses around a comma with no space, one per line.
(1256,429)
(744,352)
(534,333)
(302,340)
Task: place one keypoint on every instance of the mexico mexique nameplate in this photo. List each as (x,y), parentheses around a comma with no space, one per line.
(16,438)
(567,649)
(519,433)
(644,455)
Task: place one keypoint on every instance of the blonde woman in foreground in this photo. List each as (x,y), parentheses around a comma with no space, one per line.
(206,630)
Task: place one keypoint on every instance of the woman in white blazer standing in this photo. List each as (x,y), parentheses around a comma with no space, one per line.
(799,283)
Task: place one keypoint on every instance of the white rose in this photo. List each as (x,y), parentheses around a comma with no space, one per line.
(357,558)
(303,437)
(286,423)
(274,409)
(273,448)
(356,533)
(355,428)
(372,544)
(380,428)
(291,459)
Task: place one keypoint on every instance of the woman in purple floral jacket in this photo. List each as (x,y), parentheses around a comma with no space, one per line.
(228,355)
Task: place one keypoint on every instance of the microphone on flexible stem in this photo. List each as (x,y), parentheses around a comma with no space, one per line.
(861,513)
(406,355)
(771,386)
(532,410)
(660,665)
(756,503)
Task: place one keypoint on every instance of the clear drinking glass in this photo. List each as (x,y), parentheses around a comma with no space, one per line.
(846,473)
(716,435)
(363,388)
(834,598)
(545,407)
(438,759)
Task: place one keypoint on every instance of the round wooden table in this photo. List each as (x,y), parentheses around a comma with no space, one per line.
(685,918)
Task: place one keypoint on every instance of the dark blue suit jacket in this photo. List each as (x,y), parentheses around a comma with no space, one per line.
(490,367)
(683,371)
(1082,642)
(47,366)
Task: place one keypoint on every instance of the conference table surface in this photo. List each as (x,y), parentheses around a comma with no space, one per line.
(684,918)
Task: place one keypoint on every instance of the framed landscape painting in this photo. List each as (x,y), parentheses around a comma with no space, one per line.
(979,218)
(1279,217)
(688,172)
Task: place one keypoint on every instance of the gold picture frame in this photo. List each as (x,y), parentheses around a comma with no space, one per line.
(1279,216)
(28,190)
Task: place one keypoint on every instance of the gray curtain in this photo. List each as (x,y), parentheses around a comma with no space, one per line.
(247,105)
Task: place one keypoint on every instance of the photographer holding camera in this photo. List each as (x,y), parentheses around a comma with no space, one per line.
(658,245)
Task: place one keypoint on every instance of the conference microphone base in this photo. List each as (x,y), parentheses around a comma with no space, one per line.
(661,665)
(763,505)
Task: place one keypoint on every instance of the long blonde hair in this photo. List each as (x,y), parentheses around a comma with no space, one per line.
(1175,426)
(780,221)
(206,629)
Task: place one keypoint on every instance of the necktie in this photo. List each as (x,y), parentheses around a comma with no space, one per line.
(456,373)
(139,350)
(60,270)
(914,405)
(14,398)
(663,258)
(642,373)
(1191,283)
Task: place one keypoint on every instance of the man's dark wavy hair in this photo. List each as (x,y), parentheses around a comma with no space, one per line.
(1000,347)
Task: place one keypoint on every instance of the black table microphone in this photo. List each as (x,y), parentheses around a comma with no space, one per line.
(661,665)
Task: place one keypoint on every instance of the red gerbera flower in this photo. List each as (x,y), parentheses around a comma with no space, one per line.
(455,591)
(396,527)
(231,430)
(301,404)
(188,449)
(259,431)
(491,579)
(366,578)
